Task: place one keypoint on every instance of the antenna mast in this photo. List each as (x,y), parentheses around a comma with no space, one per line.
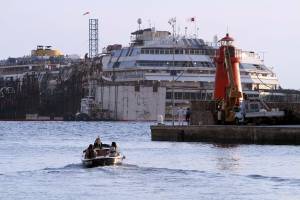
(93,37)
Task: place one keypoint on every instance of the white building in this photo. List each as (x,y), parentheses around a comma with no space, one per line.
(134,103)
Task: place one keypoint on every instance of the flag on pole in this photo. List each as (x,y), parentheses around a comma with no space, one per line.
(191,19)
(86,13)
(172,21)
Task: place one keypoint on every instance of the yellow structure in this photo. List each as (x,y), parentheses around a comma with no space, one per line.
(46,51)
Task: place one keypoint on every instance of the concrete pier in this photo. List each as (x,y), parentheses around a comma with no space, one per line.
(285,135)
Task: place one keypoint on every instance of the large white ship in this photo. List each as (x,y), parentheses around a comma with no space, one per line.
(183,65)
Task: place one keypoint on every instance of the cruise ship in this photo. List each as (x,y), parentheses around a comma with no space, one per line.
(184,65)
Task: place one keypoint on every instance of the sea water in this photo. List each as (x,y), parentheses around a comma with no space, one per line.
(42,160)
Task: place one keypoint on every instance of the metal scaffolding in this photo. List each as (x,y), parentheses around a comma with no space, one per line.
(93,37)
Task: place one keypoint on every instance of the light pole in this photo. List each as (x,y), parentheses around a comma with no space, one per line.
(172,22)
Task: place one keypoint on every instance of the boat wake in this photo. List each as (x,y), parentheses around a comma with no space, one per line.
(147,170)
(66,168)
(69,166)
(275,179)
(73,166)
(127,169)
(155,170)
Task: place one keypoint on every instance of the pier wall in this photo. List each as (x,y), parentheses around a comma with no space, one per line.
(289,135)
(202,111)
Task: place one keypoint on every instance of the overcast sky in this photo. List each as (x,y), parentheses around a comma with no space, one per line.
(266,26)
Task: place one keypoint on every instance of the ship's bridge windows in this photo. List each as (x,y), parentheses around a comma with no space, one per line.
(124,52)
(173,51)
(135,52)
(175,63)
(116,53)
(187,51)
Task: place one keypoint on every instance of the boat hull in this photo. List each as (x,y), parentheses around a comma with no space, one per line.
(102,161)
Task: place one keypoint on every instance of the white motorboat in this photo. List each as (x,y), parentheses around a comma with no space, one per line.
(103,157)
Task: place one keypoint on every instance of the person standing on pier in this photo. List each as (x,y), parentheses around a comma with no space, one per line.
(180,113)
(188,116)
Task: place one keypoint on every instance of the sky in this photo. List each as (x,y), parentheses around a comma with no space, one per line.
(269,26)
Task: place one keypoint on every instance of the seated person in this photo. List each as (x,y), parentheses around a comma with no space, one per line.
(113,151)
(89,152)
(97,143)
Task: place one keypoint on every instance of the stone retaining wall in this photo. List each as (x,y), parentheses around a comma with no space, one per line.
(203,111)
(288,135)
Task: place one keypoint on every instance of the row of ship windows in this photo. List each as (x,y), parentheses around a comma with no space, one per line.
(208,96)
(178,64)
(175,64)
(179,51)
(141,72)
(189,95)
(281,98)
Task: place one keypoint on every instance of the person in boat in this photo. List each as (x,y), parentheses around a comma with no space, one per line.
(89,152)
(114,151)
(98,144)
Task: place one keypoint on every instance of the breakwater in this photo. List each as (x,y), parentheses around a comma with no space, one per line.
(228,134)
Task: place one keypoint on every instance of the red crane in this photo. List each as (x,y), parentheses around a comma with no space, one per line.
(228,89)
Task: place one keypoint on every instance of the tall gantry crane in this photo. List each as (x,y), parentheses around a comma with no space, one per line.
(228,87)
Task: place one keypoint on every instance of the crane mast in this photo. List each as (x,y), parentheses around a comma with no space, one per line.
(228,90)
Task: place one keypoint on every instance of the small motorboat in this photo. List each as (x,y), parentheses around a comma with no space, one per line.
(102,157)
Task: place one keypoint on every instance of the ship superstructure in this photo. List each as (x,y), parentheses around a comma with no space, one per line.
(185,66)
(154,75)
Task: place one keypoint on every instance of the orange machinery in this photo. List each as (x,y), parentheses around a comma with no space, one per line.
(228,89)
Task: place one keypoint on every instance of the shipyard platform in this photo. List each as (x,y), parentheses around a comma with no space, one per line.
(281,135)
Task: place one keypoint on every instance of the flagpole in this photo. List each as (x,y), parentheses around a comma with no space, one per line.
(172,22)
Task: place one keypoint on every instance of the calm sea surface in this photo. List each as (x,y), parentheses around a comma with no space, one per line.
(42,160)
